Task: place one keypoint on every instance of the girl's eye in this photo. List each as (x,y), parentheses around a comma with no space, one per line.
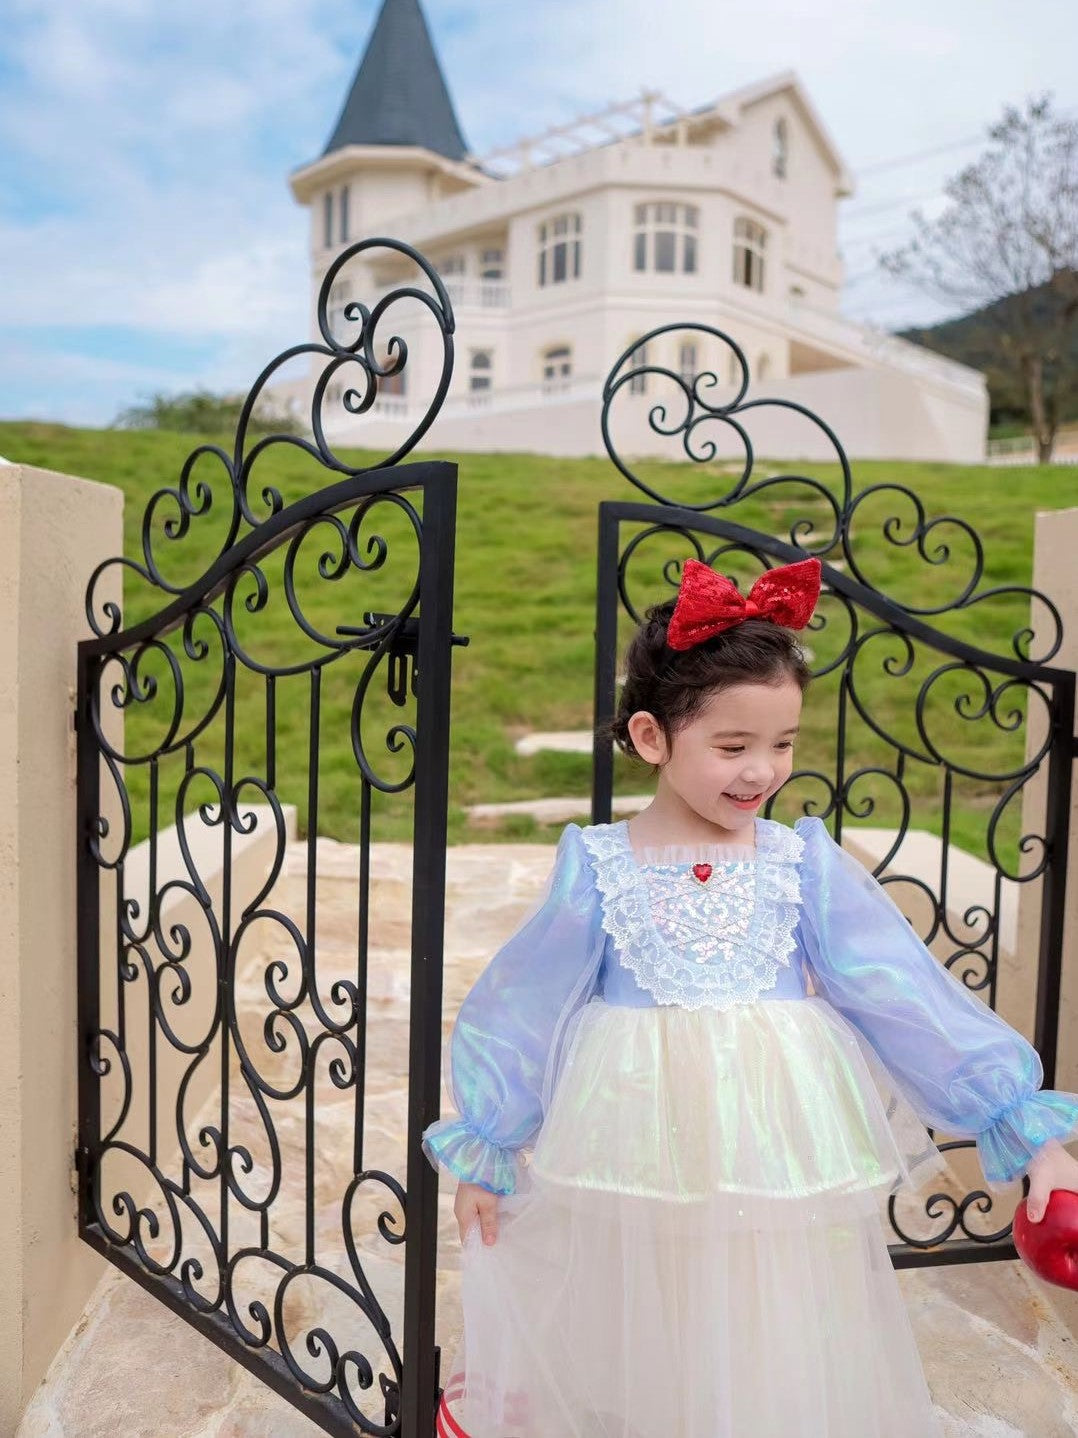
(733,748)
(786,744)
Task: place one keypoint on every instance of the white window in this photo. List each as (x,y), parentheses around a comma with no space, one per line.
(686,361)
(557,367)
(763,366)
(344,214)
(780,149)
(492,265)
(339,296)
(327,219)
(636,361)
(664,238)
(480,377)
(559,250)
(451,265)
(750,244)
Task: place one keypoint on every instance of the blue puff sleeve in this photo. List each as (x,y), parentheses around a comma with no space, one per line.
(960,1066)
(509,1027)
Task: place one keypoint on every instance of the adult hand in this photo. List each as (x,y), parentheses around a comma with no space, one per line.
(474,1204)
(1051,1167)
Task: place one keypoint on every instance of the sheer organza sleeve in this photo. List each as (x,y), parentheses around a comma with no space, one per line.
(961,1067)
(510,1025)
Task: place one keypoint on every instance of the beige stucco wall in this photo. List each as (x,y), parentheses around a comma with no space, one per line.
(1055,574)
(53,531)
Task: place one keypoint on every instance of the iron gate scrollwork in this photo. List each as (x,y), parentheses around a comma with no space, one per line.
(924,726)
(230,1156)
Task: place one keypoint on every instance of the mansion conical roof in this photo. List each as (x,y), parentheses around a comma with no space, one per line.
(399,95)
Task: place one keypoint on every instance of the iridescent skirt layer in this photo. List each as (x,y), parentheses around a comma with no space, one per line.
(699,1253)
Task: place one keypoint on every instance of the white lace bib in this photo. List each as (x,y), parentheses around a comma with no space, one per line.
(701,944)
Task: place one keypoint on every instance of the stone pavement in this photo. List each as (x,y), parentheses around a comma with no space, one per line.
(999,1348)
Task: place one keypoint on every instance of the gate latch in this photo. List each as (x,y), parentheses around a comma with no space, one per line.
(402,653)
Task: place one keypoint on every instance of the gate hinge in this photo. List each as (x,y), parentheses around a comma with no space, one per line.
(80,1163)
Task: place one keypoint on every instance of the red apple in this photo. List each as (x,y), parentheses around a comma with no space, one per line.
(1050,1247)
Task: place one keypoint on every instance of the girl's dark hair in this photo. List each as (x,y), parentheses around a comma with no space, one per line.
(673,684)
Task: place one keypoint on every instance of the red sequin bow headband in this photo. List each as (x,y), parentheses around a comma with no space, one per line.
(708,603)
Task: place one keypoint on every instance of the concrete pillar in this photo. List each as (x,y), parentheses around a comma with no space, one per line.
(53,531)
(1055,574)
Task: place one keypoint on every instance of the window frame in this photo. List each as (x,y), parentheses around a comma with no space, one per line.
(483,373)
(750,254)
(560,244)
(675,221)
(780,149)
(562,355)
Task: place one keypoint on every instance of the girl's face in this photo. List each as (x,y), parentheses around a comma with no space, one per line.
(728,760)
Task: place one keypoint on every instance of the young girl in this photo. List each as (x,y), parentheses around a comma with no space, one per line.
(722,1042)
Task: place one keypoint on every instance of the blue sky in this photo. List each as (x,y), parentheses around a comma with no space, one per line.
(148,239)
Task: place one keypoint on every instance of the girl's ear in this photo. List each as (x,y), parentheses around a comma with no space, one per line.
(648,738)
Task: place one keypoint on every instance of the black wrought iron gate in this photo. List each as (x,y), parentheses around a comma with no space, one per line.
(913,720)
(230,1154)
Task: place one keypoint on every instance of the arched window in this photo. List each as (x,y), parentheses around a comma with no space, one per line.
(637,360)
(750,245)
(664,238)
(557,367)
(480,376)
(780,149)
(492,265)
(559,250)
(763,366)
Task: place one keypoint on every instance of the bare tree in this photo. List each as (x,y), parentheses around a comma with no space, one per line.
(1010,232)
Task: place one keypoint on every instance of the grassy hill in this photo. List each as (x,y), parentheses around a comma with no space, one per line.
(525,596)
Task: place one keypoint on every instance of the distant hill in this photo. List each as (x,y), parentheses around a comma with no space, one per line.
(974,339)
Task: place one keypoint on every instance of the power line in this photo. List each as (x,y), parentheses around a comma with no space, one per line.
(878,166)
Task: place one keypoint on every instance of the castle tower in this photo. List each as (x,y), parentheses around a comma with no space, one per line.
(397,145)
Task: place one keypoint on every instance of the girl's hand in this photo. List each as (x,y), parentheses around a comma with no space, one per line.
(1051,1167)
(474,1203)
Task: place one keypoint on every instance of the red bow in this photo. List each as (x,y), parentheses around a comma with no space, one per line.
(708,603)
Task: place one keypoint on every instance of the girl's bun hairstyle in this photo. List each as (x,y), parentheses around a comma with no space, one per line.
(674,684)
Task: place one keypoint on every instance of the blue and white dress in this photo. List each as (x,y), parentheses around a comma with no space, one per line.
(720,1062)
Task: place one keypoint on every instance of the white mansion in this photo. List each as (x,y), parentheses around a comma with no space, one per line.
(561,252)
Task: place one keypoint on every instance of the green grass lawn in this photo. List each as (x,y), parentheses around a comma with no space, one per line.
(525,596)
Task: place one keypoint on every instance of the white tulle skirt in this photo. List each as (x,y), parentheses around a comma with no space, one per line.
(699,1253)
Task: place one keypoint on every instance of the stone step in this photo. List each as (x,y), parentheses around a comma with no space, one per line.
(563,741)
(552,811)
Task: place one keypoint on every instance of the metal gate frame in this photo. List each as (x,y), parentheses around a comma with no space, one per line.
(411,650)
(680,417)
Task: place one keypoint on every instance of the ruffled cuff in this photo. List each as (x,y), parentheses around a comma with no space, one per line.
(453,1145)
(1016,1134)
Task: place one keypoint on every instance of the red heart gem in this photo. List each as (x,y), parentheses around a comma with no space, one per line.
(1050,1247)
(702,872)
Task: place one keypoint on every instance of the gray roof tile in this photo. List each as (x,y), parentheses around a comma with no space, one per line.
(399,95)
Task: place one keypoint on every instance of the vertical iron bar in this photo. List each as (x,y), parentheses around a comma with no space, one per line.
(226,977)
(606,666)
(419,1376)
(88,933)
(312,942)
(361,972)
(1053,893)
(840,749)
